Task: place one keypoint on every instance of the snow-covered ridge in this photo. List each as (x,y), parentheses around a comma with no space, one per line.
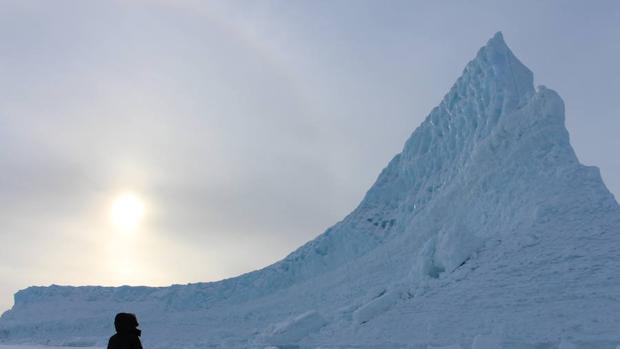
(486,222)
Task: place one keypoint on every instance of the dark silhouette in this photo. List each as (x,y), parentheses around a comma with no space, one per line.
(127,333)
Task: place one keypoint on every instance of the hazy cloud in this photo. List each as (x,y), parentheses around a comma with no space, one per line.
(247,127)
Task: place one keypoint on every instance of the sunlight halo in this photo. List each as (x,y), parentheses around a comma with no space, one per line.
(127,212)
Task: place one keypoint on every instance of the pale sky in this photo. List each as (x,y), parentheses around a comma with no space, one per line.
(246,128)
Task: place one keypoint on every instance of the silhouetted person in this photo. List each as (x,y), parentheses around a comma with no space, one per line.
(127,333)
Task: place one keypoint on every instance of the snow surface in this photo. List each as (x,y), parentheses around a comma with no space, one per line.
(485,223)
(489,342)
(22,346)
(564,344)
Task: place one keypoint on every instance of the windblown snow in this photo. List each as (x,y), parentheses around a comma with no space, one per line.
(485,230)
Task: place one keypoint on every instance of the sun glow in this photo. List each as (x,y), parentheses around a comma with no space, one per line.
(127,212)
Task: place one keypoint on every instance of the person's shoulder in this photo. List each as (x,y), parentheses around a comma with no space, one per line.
(113,341)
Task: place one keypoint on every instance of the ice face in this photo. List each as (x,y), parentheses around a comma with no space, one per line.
(449,153)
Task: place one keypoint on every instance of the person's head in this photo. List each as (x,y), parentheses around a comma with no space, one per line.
(126,323)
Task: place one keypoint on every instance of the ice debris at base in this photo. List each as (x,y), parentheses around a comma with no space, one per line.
(565,344)
(486,222)
(291,331)
(454,346)
(486,342)
(381,303)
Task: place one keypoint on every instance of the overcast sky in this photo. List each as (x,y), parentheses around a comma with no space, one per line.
(247,128)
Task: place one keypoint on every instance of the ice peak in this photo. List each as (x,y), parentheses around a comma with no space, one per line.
(484,101)
(496,52)
(501,70)
(493,84)
(497,40)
